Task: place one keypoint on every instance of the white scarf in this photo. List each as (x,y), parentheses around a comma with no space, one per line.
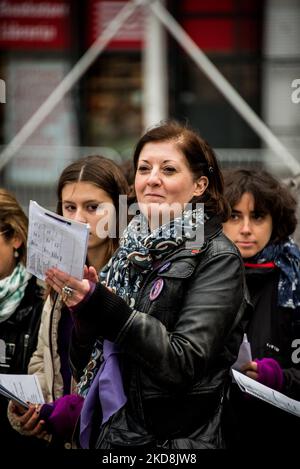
(12,289)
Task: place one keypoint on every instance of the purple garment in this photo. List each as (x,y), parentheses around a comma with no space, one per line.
(63,344)
(106,390)
(270,373)
(61,415)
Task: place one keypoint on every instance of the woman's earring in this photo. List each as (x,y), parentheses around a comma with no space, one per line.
(16,254)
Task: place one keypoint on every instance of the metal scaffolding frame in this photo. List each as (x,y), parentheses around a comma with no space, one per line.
(156,8)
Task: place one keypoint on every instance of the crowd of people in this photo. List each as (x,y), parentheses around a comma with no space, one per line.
(139,352)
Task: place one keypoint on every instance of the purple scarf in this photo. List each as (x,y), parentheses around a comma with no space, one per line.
(106,389)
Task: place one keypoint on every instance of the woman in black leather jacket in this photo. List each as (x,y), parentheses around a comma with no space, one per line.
(21,302)
(164,334)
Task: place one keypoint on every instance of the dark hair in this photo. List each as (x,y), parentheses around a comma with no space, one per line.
(270,196)
(102,173)
(128,171)
(200,157)
(13,221)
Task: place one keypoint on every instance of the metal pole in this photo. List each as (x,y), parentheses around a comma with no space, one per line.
(66,84)
(224,86)
(155,81)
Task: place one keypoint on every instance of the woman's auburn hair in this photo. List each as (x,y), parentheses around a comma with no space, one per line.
(270,196)
(200,157)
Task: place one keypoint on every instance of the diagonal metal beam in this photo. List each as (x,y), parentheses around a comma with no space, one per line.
(68,82)
(224,86)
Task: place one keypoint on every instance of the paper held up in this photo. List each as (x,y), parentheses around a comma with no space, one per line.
(266,394)
(21,389)
(55,241)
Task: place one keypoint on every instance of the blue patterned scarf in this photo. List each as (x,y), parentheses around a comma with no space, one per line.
(139,249)
(286,257)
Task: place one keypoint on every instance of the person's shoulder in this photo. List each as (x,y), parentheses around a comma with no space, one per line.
(34,289)
(220,244)
(39,289)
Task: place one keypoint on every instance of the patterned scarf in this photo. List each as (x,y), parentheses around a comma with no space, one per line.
(12,289)
(139,249)
(286,257)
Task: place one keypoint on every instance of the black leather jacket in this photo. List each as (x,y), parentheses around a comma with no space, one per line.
(20,331)
(20,334)
(178,348)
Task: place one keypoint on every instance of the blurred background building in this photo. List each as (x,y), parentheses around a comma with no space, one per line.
(255,44)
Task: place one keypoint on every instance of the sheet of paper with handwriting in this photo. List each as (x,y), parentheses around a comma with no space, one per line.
(55,241)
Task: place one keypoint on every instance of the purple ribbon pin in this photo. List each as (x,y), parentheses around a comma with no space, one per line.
(156,289)
(164,267)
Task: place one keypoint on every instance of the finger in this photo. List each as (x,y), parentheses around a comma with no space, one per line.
(56,278)
(79,288)
(92,275)
(76,297)
(251,366)
(33,421)
(62,279)
(32,425)
(255,366)
(246,366)
(79,293)
(252,374)
(39,429)
(27,416)
(16,408)
(53,285)
(61,276)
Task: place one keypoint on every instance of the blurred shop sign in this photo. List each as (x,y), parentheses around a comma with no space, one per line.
(222,25)
(35,24)
(102,12)
(41,160)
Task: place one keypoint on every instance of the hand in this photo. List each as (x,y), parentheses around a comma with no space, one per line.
(78,289)
(27,423)
(90,274)
(250,369)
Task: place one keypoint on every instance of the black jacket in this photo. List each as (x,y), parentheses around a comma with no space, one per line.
(20,333)
(177,349)
(271,332)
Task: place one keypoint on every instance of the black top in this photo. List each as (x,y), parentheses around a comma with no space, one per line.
(20,333)
(271,330)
